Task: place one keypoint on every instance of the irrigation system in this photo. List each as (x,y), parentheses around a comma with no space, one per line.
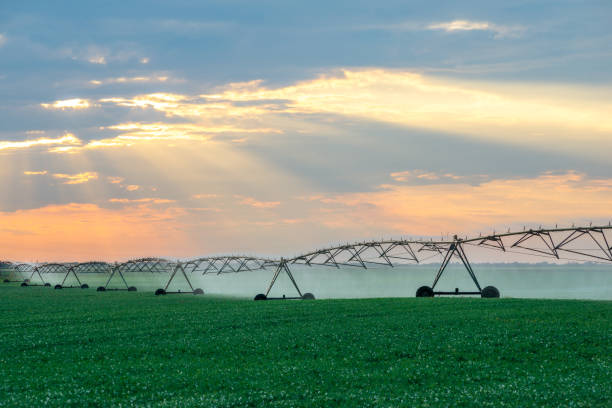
(578,244)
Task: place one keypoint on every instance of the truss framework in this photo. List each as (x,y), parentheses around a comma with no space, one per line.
(227,264)
(62,269)
(140,265)
(592,243)
(214,265)
(15,275)
(25,269)
(582,244)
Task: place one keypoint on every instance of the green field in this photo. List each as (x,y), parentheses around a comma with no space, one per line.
(83,348)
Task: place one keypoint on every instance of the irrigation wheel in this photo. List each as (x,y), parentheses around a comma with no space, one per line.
(490,292)
(424,291)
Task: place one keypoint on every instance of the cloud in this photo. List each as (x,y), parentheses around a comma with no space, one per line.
(257,204)
(409,175)
(132,187)
(133,133)
(141,200)
(571,119)
(157,129)
(35,173)
(190,27)
(194,106)
(549,117)
(78,178)
(141,132)
(115,180)
(97,59)
(449,27)
(129,80)
(466,25)
(96,54)
(67,139)
(82,232)
(75,103)
(202,196)
(427,209)
(2,40)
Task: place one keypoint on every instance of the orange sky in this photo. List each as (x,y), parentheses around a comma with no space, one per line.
(149,227)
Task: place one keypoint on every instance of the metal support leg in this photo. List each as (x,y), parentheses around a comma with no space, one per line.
(276,273)
(39,275)
(447,258)
(457,249)
(116,270)
(292,279)
(282,266)
(75,275)
(467,265)
(176,268)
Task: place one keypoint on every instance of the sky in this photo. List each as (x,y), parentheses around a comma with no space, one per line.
(189,128)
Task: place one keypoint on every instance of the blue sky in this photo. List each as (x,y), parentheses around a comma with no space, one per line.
(297,122)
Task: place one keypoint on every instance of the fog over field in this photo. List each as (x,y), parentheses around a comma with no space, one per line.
(516,280)
(571,281)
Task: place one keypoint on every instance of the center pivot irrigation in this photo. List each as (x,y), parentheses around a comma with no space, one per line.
(16,272)
(580,244)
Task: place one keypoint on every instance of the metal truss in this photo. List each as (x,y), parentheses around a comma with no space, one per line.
(156,266)
(11,267)
(216,265)
(375,253)
(93,267)
(282,267)
(576,243)
(62,269)
(31,271)
(152,265)
(227,264)
(141,265)
(25,270)
(581,244)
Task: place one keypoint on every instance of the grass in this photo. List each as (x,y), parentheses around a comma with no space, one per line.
(83,348)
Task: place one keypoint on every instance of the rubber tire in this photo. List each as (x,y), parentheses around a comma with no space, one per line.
(489,292)
(24,284)
(84,286)
(260,296)
(198,291)
(132,289)
(101,289)
(160,292)
(58,286)
(47,285)
(424,291)
(308,296)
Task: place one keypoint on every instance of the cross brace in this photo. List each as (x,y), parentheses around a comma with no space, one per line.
(282,266)
(456,249)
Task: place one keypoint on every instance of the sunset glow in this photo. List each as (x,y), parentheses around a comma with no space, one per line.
(165,135)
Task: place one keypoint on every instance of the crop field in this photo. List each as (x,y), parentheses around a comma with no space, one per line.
(83,348)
